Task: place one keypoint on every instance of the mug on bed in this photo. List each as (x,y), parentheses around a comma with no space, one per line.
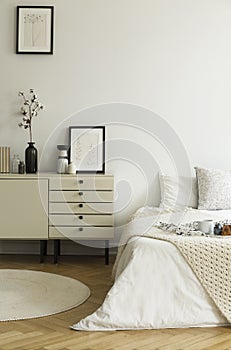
(206,226)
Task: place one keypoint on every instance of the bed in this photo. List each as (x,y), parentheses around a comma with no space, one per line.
(156,285)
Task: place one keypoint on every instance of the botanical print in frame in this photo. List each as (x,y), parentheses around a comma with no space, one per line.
(35,29)
(87,148)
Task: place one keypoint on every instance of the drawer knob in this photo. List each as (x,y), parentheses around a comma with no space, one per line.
(80,193)
(80,205)
(80,228)
(81,217)
(80,181)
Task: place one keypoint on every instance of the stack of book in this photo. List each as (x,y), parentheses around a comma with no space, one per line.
(4,159)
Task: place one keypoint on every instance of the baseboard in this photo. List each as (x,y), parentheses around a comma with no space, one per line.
(67,248)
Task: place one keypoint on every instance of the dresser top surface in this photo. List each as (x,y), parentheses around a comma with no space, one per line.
(47,175)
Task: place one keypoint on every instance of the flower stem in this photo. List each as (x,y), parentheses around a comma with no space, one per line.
(30,131)
(30,126)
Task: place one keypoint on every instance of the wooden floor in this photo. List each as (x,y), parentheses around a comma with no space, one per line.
(52,333)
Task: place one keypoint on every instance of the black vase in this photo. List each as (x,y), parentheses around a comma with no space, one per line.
(31,159)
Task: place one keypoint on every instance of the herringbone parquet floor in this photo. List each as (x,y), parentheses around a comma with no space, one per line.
(52,333)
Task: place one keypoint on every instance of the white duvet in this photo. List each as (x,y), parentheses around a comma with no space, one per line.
(154,286)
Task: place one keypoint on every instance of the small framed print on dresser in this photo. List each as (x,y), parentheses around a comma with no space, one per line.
(87,148)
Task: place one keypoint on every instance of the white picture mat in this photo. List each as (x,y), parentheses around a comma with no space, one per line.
(34,34)
(87,149)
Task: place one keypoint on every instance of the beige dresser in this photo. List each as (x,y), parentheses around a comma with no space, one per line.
(57,207)
(81,208)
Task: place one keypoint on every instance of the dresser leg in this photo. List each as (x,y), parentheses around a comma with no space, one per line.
(43,250)
(56,250)
(106,252)
(59,247)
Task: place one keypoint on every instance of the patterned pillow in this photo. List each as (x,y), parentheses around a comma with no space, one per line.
(214,187)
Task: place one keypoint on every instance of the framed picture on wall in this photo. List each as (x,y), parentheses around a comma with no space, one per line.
(35,25)
(87,148)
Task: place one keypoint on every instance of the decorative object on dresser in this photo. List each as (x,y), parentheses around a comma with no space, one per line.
(31,158)
(30,109)
(62,164)
(87,148)
(27,294)
(71,168)
(21,167)
(35,29)
(4,159)
(15,164)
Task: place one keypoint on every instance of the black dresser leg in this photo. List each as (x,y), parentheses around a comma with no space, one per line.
(59,245)
(56,250)
(43,250)
(106,252)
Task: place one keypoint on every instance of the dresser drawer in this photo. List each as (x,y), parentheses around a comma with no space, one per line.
(80,196)
(93,233)
(78,208)
(82,182)
(81,220)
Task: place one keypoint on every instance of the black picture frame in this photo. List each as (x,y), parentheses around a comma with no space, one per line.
(35,30)
(87,148)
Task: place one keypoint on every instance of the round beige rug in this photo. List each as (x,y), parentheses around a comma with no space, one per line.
(28,294)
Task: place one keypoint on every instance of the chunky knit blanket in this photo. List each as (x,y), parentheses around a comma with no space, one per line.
(209,258)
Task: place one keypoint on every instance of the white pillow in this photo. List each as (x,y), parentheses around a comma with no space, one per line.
(178,192)
(214,187)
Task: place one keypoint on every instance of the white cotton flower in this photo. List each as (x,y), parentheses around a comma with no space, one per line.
(30,109)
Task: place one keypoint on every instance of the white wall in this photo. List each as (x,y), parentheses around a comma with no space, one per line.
(170,56)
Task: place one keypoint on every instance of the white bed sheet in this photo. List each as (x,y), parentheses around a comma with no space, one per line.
(154,286)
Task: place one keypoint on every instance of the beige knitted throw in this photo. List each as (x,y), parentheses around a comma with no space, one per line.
(210,259)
